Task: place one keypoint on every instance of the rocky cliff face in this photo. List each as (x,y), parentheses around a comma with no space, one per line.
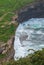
(8,49)
(35,10)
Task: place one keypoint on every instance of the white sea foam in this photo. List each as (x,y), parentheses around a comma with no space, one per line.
(34,28)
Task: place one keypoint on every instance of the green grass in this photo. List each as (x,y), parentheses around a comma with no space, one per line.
(8,17)
(2,56)
(9,7)
(1,13)
(7,32)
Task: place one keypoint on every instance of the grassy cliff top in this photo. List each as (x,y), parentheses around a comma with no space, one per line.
(7,13)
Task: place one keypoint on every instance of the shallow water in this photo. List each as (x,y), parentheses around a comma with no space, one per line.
(29,37)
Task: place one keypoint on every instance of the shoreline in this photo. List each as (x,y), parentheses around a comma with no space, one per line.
(24,12)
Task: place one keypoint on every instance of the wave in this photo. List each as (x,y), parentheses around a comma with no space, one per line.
(29,36)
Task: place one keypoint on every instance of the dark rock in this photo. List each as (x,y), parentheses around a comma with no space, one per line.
(1,50)
(37,11)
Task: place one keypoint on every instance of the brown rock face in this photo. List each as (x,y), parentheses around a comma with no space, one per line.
(5,47)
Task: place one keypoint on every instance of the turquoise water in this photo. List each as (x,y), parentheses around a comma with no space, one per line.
(29,37)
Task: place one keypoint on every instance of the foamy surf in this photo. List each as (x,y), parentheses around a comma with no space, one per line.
(29,37)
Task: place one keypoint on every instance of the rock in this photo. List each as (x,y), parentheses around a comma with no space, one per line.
(3,45)
(23,37)
(1,50)
(10,42)
(7,49)
(4,51)
(14,18)
(33,11)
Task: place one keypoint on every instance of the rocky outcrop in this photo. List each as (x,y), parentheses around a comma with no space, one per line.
(8,50)
(5,47)
(2,48)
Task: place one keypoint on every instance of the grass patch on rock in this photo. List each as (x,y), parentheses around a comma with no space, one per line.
(2,56)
